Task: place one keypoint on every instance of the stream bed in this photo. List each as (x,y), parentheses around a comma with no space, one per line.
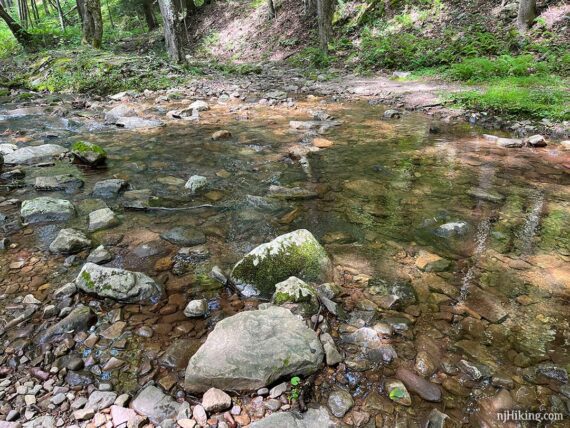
(471,238)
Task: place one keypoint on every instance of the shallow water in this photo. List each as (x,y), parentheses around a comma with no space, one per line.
(380,194)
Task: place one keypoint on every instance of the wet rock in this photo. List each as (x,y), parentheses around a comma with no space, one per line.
(184,236)
(215,400)
(79,319)
(118,284)
(99,400)
(69,241)
(427,390)
(487,305)
(196,308)
(392,114)
(34,154)
(490,407)
(436,419)
(486,195)
(100,255)
(81,378)
(154,404)
(452,229)
(473,370)
(138,123)
(397,392)
(296,253)
(109,188)
(552,371)
(196,183)
(535,141)
(429,262)
(290,193)
(509,143)
(46,209)
(294,290)
(340,402)
(88,153)
(424,365)
(403,290)
(65,182)
(15,174)
(103,218)
(122,110)
(179,353)
(312,418)
(252,349)
(221,135)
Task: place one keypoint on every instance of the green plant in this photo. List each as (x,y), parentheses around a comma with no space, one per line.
(396,394)
(295,389)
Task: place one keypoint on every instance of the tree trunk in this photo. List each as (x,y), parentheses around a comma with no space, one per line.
(92,23)
(325,9)
(173,28)
(60,14)
(80,10)
(46,7)
(271,8)
(149,15)
(21,35)
(35,11)
(526,15)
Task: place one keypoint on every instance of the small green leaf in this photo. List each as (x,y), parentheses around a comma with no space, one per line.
(295,380)
(397,393)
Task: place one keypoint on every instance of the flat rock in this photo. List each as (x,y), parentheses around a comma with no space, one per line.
(118,284)
(485,304)
(312,418)
(109,188)
(179,353)
(296,253)
(184,236)
(154,404)
(427,390)
(69,241)
(34,154)
(429,262)
(99,400)
(65,182)
(122,110)
(46,209)
(138,123)
(253,349)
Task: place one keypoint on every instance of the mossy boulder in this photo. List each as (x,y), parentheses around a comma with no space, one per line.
(89,153)
(296,291)
(296,253)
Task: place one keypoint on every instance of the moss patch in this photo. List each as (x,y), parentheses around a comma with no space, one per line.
(84,147)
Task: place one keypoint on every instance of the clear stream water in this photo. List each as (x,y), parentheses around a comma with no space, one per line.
(382,190)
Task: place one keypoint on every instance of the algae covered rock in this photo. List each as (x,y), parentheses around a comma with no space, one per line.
(294,290)
(253,349)
(296,253)
(46,209)
(89,153)
(118,284)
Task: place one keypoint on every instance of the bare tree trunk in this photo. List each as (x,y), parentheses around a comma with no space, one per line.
(60,14)
(46,7)
(325,9)
(23,13)
(271,8)
(149,15)
(92,23)
(110,15)
(526,15)
(173,28)
(35,11)
(21,35)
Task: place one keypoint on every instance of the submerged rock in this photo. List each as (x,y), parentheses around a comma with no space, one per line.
(109,188)
(118,284)
(34,154)
(88,153)
(452,229)
(46,209)
(79,319)
(429,262)
(253,349)
(66,182)
(427,390)
(195,183)
(69,241)
(296,253)
(340,402)
(184,236)
(138,123)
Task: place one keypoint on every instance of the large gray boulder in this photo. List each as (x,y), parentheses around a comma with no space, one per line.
(34,154)
(296,253)
(46,209)
(118,284)
(312,418)
(253,349)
